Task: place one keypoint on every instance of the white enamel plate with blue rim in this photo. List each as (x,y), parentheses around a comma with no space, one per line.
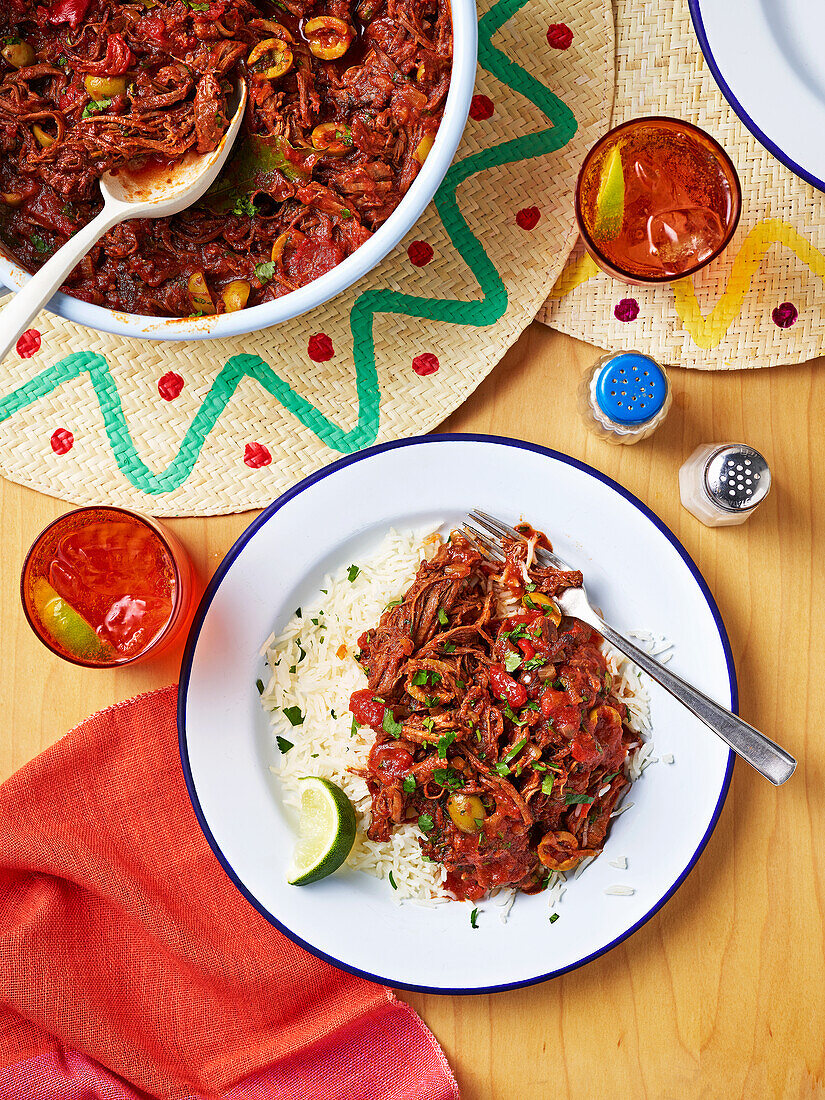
(634,568)
(766,56)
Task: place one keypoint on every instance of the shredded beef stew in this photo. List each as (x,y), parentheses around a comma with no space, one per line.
(496,728)
(345,98)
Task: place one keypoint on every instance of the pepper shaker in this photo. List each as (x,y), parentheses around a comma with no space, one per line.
(723,483)
(624,398)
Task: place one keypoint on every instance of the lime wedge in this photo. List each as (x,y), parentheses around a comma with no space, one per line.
(326,832)
(68,628)
(610,198)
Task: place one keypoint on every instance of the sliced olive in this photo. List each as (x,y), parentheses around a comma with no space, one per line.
(199,294)
(560,851)
(422,150)
(537,601)
(270,59)
(332,138)
(328,36)
(44,140)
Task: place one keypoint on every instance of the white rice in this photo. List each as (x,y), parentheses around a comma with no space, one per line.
(312,668)
(320,685)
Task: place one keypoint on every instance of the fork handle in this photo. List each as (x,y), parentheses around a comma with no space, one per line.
(759,751)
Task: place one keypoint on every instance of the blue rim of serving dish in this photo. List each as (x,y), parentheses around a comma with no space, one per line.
(727,92)
(264,517)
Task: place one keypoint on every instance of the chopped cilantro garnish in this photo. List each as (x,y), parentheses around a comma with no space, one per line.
(352,573)
(283,744)
(572,799)
(259,684)
(558,685)
(409,784)
(425,823)
(298,612)
(473,918)
(419,678)
(448,647)
(515,750)
(353,728)
(442,617)
(244,206)
(501,768)
(547,785)
(512,661)
(38,242)
(264,272)
(95,106)
(553,918)
(444,743)
(534,663)
(392,881)
(389,724)
(332,714)
(428,725)
(394,603)
(449,778)
(294,715)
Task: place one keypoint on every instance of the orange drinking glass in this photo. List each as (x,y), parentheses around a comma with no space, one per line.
(656,200)
(105,587)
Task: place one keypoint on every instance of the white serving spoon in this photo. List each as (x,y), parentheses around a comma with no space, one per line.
(146,194)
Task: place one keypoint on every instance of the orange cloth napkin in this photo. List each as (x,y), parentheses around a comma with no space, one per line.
(130,966)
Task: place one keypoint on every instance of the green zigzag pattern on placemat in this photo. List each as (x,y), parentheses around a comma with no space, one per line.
(486,311)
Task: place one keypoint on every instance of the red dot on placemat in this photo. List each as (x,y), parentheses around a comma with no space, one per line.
(28,343)
(320,347)
(559,36)
(626,310)
(785,315)
(481,107)
(528,218)
(256,455)
(420,253)
(425,364)
(170,386)
(62,441)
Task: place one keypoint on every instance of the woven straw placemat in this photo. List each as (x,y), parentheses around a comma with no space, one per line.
(219,426)
(761,303)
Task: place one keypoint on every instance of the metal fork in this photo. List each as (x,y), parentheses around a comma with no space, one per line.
(761,753)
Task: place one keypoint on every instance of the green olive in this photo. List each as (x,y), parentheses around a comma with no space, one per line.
(18,54)
(537,601)
(235,295)
(104,87)
(199,294)
(44,140)
(467,812)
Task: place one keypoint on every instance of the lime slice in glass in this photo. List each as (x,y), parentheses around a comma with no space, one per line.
(609,214)
(326,832)
(69,629)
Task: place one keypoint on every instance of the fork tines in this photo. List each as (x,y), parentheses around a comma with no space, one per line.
(482,542)
(502,530)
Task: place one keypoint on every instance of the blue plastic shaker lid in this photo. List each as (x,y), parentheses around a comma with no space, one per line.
(631,388)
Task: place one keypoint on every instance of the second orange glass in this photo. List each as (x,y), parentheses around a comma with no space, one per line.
(104,587)
(656,200)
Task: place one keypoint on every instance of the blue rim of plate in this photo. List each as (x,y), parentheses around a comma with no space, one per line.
(264,517)
(726,90)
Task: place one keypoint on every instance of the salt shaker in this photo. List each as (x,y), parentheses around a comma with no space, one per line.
(624,398)
(723,483)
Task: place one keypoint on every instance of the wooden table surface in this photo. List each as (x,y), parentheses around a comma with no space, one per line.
(723,992)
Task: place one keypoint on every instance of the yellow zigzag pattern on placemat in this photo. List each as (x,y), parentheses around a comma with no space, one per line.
(707,332)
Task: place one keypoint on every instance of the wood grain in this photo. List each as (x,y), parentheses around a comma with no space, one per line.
(723,992)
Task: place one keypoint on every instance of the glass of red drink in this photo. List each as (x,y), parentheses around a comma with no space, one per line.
(656,200)
(104,587)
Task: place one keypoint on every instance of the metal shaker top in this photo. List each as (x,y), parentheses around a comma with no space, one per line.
(737,477)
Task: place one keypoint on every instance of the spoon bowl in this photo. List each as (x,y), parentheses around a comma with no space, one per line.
(157,191)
